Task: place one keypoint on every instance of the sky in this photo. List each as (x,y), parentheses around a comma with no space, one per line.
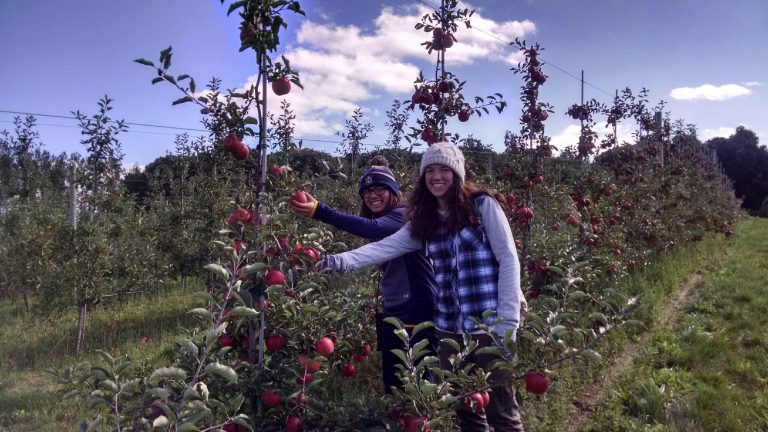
(708,60)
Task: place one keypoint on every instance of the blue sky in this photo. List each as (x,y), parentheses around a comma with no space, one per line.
(707,59)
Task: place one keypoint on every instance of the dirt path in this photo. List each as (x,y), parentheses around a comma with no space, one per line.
(668,317)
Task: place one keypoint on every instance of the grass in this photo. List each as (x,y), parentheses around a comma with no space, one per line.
(28,398)
(678,385)
(710,372)
(656,282)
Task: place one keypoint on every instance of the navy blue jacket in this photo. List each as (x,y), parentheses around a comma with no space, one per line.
(407,282)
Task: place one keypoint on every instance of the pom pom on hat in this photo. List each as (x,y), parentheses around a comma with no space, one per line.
(443,153)
(379,175)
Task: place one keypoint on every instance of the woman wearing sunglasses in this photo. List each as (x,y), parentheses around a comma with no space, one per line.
(407,282)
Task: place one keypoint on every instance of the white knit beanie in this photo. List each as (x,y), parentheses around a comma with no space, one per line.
(443,153)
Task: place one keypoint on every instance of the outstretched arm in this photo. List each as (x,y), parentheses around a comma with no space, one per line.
(376,228)
(398,244)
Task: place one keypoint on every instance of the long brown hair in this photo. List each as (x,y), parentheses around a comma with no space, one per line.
(423,207)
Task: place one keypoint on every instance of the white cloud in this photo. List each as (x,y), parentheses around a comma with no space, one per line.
(723,132)
(752,83)
(710,92)
(569,136)
(342,67)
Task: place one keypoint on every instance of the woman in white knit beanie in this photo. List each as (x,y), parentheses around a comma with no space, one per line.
(465,232)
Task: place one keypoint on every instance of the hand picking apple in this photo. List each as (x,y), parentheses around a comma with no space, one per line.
(303,207)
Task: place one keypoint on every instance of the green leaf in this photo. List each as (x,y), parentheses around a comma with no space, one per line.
(202,312)
(223,371)
(171,372)
(396,323)
(421,326)
(157,80)
(242,311)
(109,385)
(218,270)
(557,270)
(244,421)
(401,355)
(185,99)
(205,295)
(253,268)
(106,357)
(402,334)
(575,296)
(452,343)
(144,62)
(559,330)
(70,394)
(187,427)
(186,346)
(94,425)
(634,323)
(123,365)
(598,318)
(250,120)
(591,355)
(490,350)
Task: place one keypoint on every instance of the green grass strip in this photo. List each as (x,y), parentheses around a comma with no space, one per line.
(710,372)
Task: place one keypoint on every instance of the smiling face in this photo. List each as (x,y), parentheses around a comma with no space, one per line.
(376,198)
(439,179)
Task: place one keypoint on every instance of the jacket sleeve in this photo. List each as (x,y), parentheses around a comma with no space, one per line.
(398,244)
(377,228)
(511,298)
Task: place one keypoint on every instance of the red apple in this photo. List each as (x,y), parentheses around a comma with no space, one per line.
(366,350)
(527,184)
(230,142)
(276,171)
(479,403)
(324,346)
(359,357)
(271,399)
(240,152)
(240,215)
(463,115)
(555,227)
(274,277)
(510,198)
(227,340)
(245,34)
(300,197)
(307,364)
(305,379)
(416,425)
(538,179)
(447,40)
(536,382)
(348,370)
(572,221)
(275,343)
(293,424)
(427,136)
(486,398)
(444,86)
(281,86)
(231,427)
(507,172)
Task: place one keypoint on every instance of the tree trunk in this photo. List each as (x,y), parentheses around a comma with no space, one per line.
(80,336)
